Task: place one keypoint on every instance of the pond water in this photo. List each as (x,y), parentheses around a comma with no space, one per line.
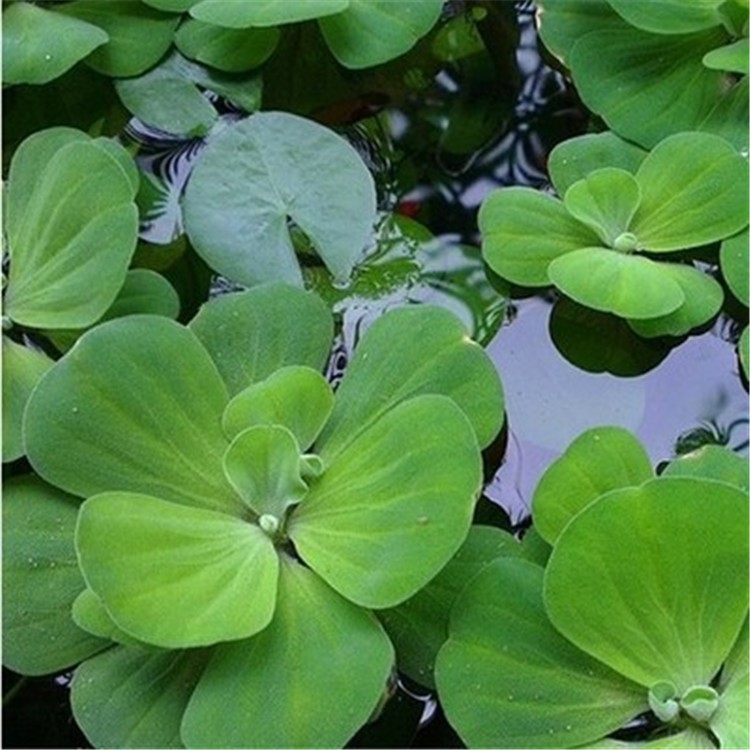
(563,369)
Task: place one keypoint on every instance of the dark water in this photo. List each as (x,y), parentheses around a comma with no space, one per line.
(554,360)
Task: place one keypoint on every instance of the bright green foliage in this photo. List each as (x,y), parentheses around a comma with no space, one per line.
(744,350)
(596,462)
(71,224)
(650,583)
(195,499)
(735,266)
(39,45)
(263,12)
(41,580)
(712,462)
(690,190)
(238,220)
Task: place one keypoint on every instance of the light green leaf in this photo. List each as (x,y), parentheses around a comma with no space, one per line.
(175,576)
(576,158)
(263,466)
(605,200)
(394,505)
(712,462)
(728,118)
(251,334)
(135,406)
(418,627)
(669,16)
(734,258)
(672,611)
(39,45)
(22,369)
(171,6)
(412,351)
(597,461)
(647,86)
(296,397)
(730,723)
(138,35)
(694,190)
(311,679)
(370,32)
(263,12)
(630,286)
(534,548)
(41,580)
(230,50)
(81,205)
(523,230)
(507,678)
(703,299)
(732,57)
(131,698)
(90,615)
(237,220)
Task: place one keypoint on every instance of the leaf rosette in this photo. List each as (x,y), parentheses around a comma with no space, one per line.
(241,520)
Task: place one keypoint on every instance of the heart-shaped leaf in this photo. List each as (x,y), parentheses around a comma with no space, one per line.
(175,576)
(263,12)
(291,685)
(296,397)
(670,612)
(263,465)
(39,45)
(734,257)
(394,505)
(41,580)
(630,286)
(238,220)
(599,460)
(128,697)
(694,190)
(507,678)
(250,335)
(523,230)
(135,406)
(411,351)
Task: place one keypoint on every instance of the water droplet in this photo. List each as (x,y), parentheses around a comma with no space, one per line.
(423,520)
(52,565)
(510,697)
(568,728)
(551,731)
(48,57)
(75,410)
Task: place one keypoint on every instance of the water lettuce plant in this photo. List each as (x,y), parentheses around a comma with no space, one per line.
(641,606)
(606,243)
(239,521)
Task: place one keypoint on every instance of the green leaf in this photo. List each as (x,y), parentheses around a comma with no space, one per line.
(630,286)
(693,191)
(230,50)
(731,57)
(135,406)
(507,678)
(130,698)
(734,258)
(22,369)
(412,351)
(534,548)
(296,397)
(633,86)
(576,158)
(703,299)
(39,45)
(310,679)
(712,462)
(41,580)
(72,236)
(523,230)
(743,349)
(251,334)
(599,460)
(672,611)
(370,32)
(264,12)
(171,6)
(237,220)
(394,505)
(175,576)
(728,118)
(138,35)
(418,627)
(730,723)
(263,466)
(605,200)
(669,16)
(90,614)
